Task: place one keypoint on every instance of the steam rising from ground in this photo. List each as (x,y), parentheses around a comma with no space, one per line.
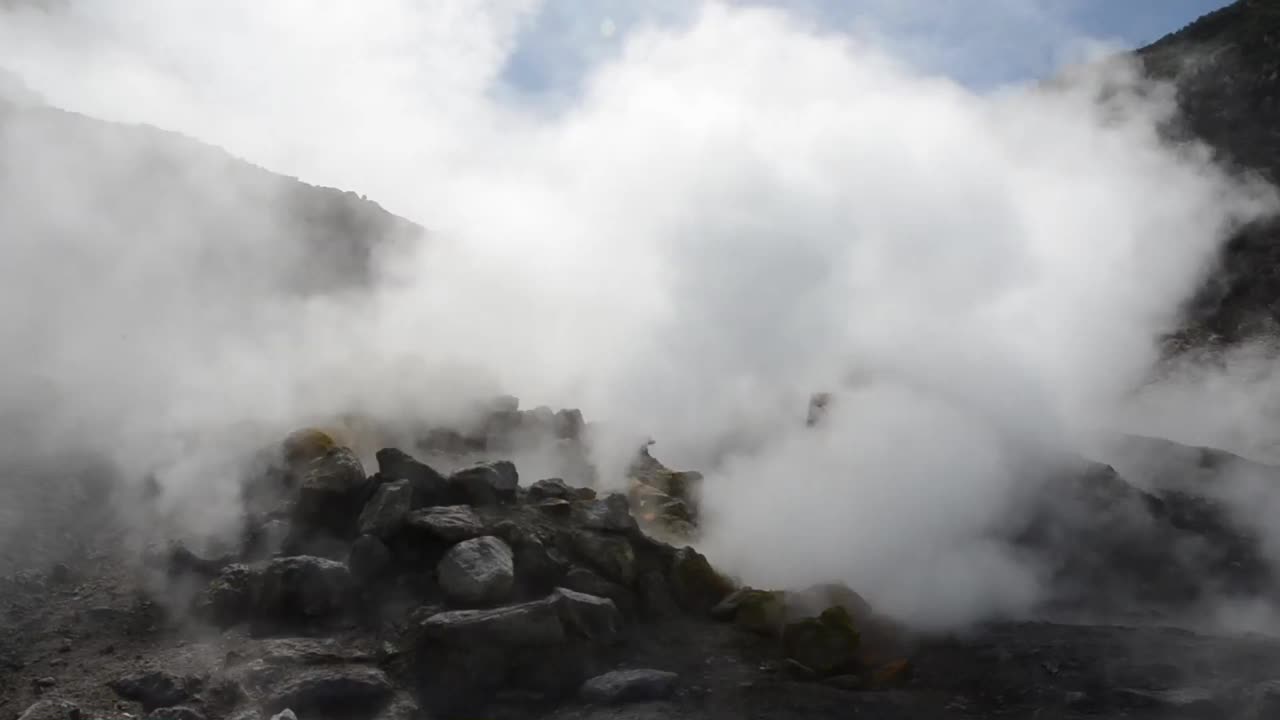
(735,212)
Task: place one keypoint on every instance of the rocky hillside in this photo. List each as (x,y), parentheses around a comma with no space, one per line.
(425,591)
(1227,69)
(74,180)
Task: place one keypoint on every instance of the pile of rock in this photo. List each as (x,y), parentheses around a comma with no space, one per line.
(480,585)
(667,501)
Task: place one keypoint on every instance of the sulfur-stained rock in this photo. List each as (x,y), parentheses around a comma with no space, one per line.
(330,493)
(697,586)
(828,644)
(307,444)
(611,555)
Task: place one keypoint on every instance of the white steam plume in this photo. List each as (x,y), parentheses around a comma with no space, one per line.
(734,212)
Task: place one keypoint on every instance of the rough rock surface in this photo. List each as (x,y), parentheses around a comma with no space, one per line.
(479,571)
(383,514)
(451,523)
(623,686)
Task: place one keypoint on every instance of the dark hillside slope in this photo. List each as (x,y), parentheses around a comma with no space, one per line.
(1227,68)
(69,179)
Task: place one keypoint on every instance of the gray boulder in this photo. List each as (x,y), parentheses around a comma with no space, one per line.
(51,709)
(536,623)
(486,484)
(330,491)
(450,523)
(588,616)
(369,558)
(385,511)
(550,488)
(228,598)
(301,588)
(612,555)
(611,513)
(585,581)
(156,689)
(429,487)
(324,689)
(625,686)
(569,424)
(538,567)
(479,571)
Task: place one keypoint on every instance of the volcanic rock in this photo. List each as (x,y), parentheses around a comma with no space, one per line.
(449,523)
(330,493)
(611,555)
(52,709)
(324,689)
(429,487)
(611,513)
(386,510)
(485,484)
(479,571)
(587,616)
(176,712)
(536,623)
(696,585)
(625,686)
(229,597)
(302,588)
(369,559)
(156,689)
(826,644)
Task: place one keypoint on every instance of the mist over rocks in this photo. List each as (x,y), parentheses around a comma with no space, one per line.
(971,283)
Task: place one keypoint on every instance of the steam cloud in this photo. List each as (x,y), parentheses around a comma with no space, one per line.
(733,212)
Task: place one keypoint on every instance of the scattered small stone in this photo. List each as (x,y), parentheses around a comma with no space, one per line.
(322,688)
(626,686)
(285,714)
(156,689)
(108,650)
(65,647)
(176,712)
(51,709)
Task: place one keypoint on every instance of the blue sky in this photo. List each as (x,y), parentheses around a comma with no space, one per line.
(981,43)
